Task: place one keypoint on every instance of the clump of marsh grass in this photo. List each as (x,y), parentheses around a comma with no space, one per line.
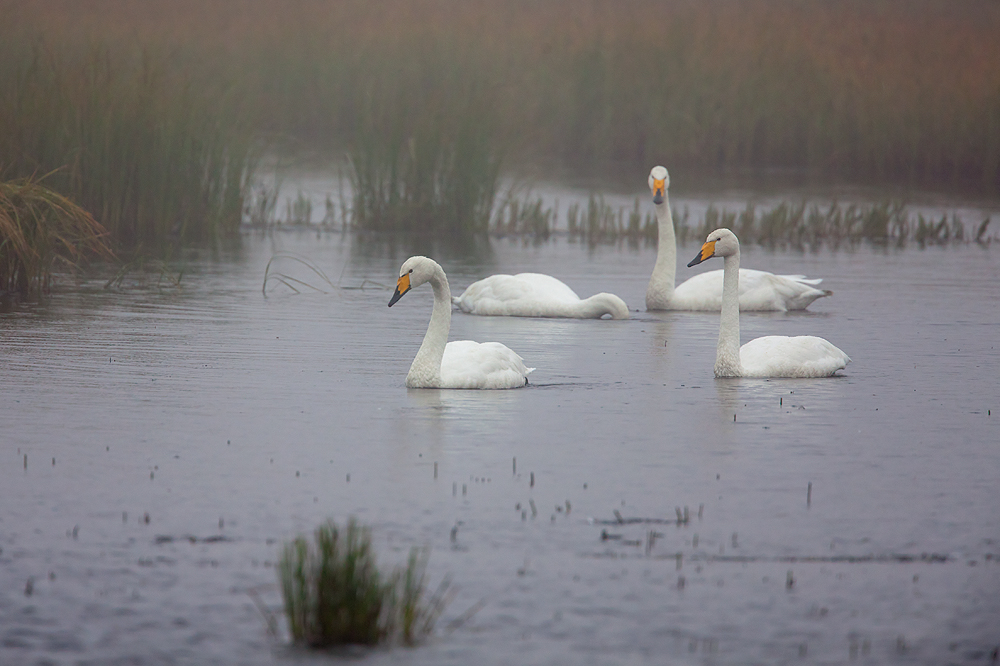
(525,217)
(601,222)
(336,594)
(423,184)
(38,229)
(424,156)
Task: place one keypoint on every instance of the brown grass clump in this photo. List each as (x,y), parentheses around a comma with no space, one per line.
(38,229)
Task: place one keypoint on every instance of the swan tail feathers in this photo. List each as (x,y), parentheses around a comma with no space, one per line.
(803,279)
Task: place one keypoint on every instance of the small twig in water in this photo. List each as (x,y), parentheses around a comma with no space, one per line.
(287,280)
(270,618)
(465,617)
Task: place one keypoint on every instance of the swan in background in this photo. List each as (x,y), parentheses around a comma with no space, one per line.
(759,290)
(461,364)
(772,355)
(535,295)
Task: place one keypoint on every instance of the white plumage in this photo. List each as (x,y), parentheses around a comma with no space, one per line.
(535,295)
(796,356)
(759,290)
(769,356)
(462,364)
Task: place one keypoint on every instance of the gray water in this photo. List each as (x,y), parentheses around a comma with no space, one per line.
(160,442)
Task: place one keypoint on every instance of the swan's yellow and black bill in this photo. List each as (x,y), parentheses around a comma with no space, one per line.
(707,251)
(402,286)
(659,187)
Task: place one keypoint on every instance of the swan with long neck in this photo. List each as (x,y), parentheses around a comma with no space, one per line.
(759,290)
(461,364)
(771,355)
(536,295)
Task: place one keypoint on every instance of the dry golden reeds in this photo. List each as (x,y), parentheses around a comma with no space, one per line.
(38,229)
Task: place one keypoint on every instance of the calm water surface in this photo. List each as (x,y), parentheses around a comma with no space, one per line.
(160,443)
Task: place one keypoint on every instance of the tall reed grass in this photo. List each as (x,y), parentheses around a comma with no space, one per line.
(424,155)
(153,155)
(428,98)
(847,89)
(38,229)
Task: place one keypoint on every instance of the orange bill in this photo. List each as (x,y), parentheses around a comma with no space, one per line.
(707,251)
(659,187)
(402,286)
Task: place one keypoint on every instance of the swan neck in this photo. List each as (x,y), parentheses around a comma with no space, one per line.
(727,357)
(425,371)
(661,283)
(602,304)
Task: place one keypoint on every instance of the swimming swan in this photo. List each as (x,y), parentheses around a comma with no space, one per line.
(772,355)
(535,295)
(759,290)
(461,364)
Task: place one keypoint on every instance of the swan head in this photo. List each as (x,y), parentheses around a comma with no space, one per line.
(414,272)
(720,243)
(659,181)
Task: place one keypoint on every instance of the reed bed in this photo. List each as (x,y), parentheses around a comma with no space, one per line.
(798,225)
(38,229)
(810,225)
(424,157)
(336,594)
(154,105)
(152,155)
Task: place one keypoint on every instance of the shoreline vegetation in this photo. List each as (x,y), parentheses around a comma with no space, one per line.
(39,228)
(795,225)
(154,115)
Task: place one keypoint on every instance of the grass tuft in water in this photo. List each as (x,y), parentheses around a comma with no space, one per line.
(39,228)
(336,594)
(524,217)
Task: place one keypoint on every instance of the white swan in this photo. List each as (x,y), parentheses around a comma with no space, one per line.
(759,290)
(461,364)
(535,295)
(772,355)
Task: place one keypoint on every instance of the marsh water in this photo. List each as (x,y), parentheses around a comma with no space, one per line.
(163,438)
